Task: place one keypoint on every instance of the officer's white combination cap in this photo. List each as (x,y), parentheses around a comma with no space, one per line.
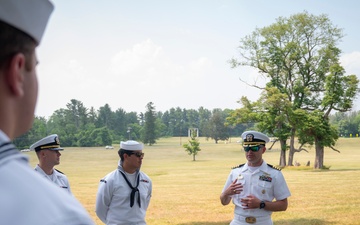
(254,138)
(131,145)
(29,16)
(50,142)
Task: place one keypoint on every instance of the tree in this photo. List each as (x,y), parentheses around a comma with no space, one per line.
(217,129)
(37,131)
(194,145)
(149,129)
(105,117)
(77,114)
(298,56)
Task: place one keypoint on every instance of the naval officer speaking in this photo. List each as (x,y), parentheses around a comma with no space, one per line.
(256,188)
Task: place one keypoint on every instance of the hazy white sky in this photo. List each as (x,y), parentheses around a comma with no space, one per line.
(172,53)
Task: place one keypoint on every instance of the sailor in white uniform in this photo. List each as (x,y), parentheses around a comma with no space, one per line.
(256,188)
(26,198)
(124,195)
(47,151)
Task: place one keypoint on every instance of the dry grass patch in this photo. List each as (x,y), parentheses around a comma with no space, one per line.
(187,192)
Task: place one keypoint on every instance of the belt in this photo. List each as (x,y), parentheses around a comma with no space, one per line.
(253,219)
(250,219)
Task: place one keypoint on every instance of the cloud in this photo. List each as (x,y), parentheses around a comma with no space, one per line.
(146,64)
(351,63)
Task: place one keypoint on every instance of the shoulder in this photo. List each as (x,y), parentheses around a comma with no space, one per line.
(144,177)
(61,206)
(59,171)
(239,166)
(110,177)
(60,174)
(273,167)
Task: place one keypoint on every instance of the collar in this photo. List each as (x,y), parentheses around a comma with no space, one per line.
(121,169)
(39,169)
(263,167)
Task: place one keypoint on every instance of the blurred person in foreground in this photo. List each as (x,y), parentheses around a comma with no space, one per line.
(25,196)
(47,151)
(256,188)
(124,195)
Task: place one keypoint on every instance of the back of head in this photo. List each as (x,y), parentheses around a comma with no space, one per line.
(22,25)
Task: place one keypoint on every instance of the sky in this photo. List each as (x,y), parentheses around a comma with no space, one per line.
(171,53)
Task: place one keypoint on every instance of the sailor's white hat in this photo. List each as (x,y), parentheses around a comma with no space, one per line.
(29,16)
(254,138)
(131,145)
(50,142)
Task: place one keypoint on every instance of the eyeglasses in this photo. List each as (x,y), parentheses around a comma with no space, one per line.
(137,154)
(252,148)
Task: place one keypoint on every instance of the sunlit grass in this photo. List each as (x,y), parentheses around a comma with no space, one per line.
(186,192)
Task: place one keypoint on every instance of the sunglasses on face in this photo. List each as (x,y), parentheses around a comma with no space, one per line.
(255,148)
(137,154)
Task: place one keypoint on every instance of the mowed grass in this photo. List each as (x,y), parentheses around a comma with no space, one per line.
(186,192)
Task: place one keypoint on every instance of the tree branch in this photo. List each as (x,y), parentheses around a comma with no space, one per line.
(334,149)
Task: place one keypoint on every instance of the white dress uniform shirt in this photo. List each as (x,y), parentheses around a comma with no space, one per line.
(56,177)
(27,198)
(266,183)
(113,199)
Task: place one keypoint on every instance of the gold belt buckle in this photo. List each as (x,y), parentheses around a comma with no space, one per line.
(250,219)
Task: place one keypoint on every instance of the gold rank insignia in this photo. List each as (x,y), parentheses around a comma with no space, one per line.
(249,137)
(263,191)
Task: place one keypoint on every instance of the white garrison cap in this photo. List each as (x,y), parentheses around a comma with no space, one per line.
(131,145)
(50,142)
(254,138)
(29,16)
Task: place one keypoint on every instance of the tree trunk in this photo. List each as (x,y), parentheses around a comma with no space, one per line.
(291,151)
(193,157)
(282,162)
(319,155)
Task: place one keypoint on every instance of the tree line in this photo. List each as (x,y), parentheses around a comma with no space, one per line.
(78,125)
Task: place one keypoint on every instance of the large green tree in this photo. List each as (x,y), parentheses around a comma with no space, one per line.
(296,55)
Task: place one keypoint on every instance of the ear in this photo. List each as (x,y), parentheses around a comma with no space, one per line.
(15,74)
(264,150)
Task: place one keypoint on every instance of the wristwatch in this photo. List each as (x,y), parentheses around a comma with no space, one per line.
(262,204)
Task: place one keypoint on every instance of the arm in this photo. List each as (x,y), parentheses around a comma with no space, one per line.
(233,188)
(278,205)
(252,202)
(102,200)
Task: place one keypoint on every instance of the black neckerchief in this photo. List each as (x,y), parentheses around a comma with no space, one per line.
(134,189)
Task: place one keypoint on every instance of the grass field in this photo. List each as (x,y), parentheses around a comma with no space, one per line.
(186,192)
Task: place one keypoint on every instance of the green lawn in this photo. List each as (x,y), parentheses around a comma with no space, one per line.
(186,192)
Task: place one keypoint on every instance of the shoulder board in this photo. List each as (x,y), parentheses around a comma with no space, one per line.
(274,167)
(238,166)
(59,171)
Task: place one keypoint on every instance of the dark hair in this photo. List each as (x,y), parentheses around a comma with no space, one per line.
(122,151)
(14,41)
